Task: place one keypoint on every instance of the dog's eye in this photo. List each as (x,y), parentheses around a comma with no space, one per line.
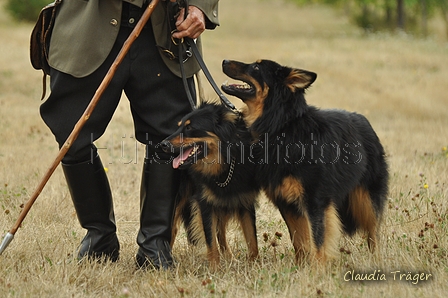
(187,127)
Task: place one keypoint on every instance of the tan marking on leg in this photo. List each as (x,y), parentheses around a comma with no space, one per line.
(223,219)
(332,234)
(212,251)
(291,191)
(196,226)
(300,232)
(363,213)
(249,232)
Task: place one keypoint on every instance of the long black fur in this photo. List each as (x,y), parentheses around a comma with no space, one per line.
(207,202)
(330,158)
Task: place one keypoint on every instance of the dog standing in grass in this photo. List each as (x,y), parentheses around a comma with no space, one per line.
(325,170)
(219,180)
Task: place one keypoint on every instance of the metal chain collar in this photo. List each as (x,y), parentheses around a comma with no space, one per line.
(229,176)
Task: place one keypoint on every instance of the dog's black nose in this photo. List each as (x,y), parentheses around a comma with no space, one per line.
(166,146)
(224,62)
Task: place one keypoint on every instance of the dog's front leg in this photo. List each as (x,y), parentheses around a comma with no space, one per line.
(326,231)
(247,222)
(209,222)
(299,228)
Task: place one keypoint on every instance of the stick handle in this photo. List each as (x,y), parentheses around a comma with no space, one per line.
(85,116)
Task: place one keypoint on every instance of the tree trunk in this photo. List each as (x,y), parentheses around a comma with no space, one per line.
(444,10)
(388,14)
(400,15)
(424,5)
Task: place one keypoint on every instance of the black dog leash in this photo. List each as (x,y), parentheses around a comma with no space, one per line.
(184,77)
(191,45)
(207,74)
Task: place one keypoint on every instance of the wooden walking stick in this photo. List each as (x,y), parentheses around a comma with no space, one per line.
(85,116)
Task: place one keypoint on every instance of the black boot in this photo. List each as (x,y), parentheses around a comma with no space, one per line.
(92,198)
(160,184)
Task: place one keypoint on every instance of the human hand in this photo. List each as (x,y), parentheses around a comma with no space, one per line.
(192,26)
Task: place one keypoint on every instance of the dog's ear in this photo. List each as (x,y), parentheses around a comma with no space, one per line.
(299,79)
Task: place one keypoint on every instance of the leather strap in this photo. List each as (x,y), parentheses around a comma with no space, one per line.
(184,79)
(191,44)
(207,74)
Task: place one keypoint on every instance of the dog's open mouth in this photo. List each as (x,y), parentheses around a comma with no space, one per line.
(244,90)
(188,156)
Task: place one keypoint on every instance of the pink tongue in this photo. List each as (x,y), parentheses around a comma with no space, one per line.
(182,156)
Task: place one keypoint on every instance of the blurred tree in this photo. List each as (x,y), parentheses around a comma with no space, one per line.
(388,13)
(443,5)
(407,15)
(424,7)
(25,10)
(400,15)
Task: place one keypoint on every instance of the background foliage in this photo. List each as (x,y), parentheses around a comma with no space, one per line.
(26,10)
(407,15)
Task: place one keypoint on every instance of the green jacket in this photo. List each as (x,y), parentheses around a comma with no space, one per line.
(85,31)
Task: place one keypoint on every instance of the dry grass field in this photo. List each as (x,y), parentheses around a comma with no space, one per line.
(398,82)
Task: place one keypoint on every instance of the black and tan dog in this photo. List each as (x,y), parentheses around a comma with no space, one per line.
(219,182)
(324,169)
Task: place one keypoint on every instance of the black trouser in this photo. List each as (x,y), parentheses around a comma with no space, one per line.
(157,98)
